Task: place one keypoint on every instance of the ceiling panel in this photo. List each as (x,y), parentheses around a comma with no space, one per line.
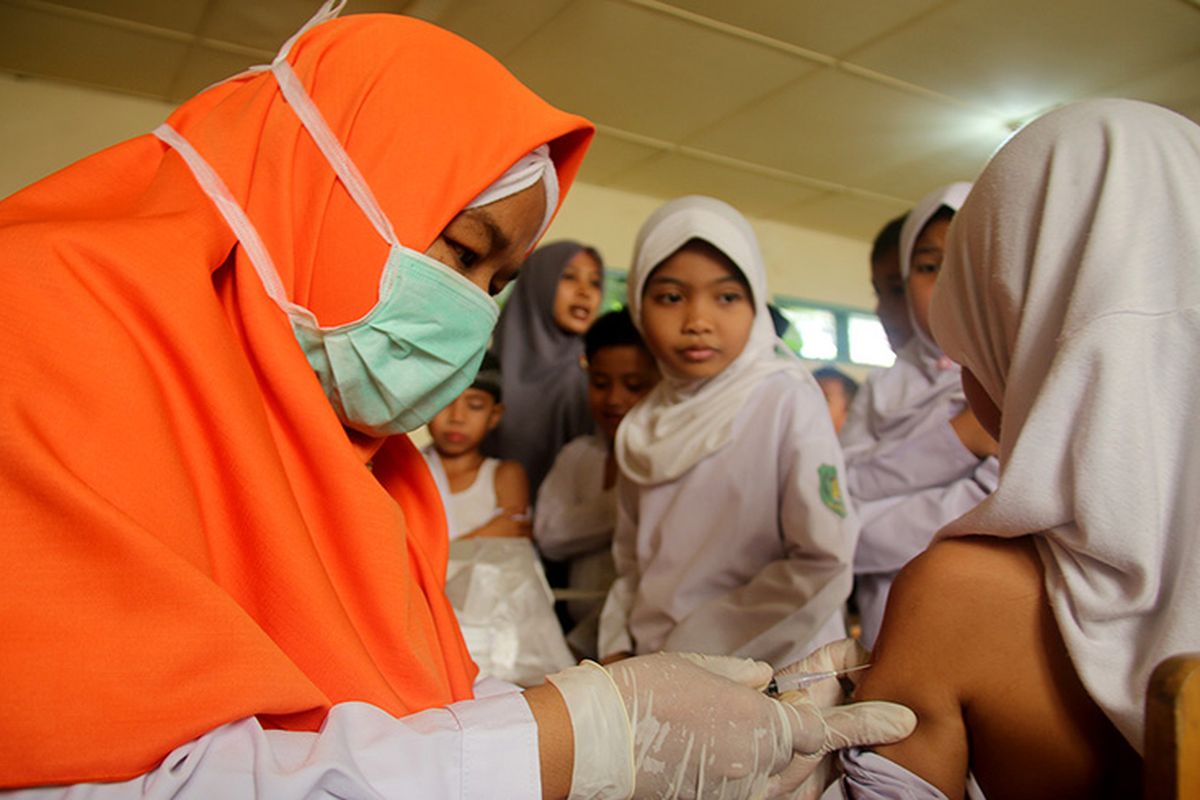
(849,215)
(818,25)
(262,24)
(84,51)
(177,15)
(673,175)
(590,58)
(915,177)
(492,24)
(842,128)
(1177,87)
(203,67)
(1020,56)
(610,156)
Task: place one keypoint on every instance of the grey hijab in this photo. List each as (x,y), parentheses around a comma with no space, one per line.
(545,386)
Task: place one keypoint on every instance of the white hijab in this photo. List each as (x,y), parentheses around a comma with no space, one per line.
(681,422)
(922,388)
(1071,290)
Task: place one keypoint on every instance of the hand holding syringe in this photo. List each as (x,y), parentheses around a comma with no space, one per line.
(798,680)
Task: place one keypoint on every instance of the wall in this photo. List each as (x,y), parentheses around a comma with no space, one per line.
(46,125)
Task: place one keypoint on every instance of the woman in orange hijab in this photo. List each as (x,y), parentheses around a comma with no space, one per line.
(219,543)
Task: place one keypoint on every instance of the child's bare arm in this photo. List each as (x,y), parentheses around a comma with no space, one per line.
(512,488)
(969,642)
(914,663)
(512,497)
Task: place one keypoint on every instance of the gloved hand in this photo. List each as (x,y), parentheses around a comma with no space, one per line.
(694,726)
(852,725)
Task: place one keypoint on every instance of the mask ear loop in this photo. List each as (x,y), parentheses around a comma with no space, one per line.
(235,217)
(296,96)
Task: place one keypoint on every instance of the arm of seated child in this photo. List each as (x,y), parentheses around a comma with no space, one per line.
(970,644)
(512,497)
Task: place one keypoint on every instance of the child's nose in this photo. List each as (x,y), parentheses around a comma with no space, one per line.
(696,320)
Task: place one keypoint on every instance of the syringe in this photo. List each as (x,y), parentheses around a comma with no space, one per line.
(798,680)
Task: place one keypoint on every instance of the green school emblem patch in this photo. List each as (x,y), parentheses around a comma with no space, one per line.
(831,492)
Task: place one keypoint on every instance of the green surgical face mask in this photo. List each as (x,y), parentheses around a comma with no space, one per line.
(392,370)
(418,349)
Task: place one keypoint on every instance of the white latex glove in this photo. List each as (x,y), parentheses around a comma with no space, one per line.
(858,724)
(694,726)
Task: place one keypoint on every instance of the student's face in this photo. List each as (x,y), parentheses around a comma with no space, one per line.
(835,396)
(460,427)
(890,306)
(618,377)
(696,315)
(926,261)
(578,295)
(986,412)
(488,244)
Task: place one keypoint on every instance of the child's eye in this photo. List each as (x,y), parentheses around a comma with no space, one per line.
(599,383)
(928,268)
(729,297)
(668,298)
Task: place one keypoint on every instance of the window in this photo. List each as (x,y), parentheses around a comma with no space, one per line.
(868,343)
(816,329)
(821,332)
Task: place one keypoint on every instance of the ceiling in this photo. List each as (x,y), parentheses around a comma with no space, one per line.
(828,115)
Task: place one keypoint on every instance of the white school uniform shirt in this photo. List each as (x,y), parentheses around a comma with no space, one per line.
(748,552)
(473,750)
(575,515)
(906,483)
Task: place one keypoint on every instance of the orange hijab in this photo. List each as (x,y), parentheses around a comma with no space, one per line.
(190,536)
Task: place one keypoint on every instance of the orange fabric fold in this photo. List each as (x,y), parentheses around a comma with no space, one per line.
(192,537)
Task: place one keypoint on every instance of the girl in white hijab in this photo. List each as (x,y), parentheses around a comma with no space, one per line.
(1071,296)
(732,535)
(915,456)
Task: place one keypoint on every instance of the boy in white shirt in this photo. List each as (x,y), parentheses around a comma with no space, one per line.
(483,496)
(576,504)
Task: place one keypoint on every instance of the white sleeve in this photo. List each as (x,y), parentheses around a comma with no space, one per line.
(932,456)
(474,750)
(614,617)
(894,531)
(564,524)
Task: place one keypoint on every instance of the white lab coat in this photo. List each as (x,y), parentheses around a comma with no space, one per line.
(477,749)
(739,555)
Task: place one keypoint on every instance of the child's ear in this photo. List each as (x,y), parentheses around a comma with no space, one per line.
(494,417)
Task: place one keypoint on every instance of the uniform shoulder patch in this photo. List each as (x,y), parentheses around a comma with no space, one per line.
(831,491)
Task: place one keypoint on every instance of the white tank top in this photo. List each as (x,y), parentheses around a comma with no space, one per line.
(476,504)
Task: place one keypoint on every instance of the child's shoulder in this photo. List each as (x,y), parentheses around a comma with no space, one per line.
(791,396)
(788,385)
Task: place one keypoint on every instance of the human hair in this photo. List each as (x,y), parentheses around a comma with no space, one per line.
(706,248)
(943,212)
(888,238)
(614,329)
(849,385)
(488,377)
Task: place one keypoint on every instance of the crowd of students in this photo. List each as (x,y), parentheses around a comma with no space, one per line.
(711,504)
(235,560)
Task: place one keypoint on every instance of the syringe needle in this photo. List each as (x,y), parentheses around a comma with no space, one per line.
(798,680)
